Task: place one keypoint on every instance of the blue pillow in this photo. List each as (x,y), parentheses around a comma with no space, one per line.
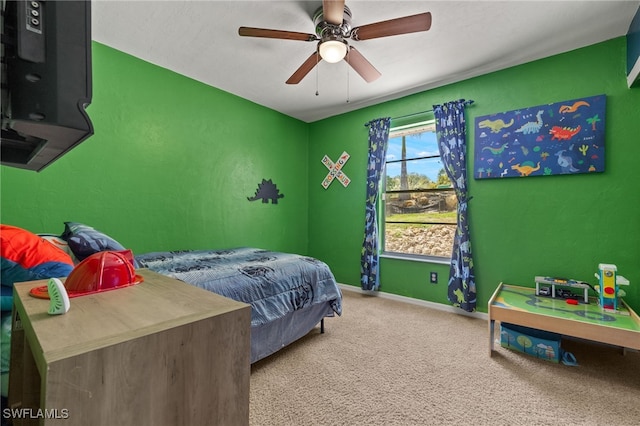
(84,240)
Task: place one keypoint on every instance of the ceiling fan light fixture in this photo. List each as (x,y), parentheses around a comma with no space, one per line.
(333,51)
(333,29)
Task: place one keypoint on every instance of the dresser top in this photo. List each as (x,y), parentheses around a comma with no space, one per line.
(115,316)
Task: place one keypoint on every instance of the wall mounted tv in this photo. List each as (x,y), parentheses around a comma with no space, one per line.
(46,80)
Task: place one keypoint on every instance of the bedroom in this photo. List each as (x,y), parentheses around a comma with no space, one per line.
(173,161)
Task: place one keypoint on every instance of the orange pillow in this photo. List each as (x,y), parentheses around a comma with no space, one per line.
(29,250)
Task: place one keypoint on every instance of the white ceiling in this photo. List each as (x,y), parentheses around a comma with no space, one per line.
(199,39)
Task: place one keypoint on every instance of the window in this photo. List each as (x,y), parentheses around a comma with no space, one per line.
(418,204)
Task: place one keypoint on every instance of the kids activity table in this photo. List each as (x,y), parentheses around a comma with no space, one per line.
(520,305)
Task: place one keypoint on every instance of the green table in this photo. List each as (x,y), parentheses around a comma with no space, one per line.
(520,305)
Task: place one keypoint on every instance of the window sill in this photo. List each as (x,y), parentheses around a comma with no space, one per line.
(416,258)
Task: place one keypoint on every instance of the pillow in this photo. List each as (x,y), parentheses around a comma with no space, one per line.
(60,243)
(84,240)
(27,257)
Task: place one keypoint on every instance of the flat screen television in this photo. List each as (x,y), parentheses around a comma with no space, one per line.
(46,80)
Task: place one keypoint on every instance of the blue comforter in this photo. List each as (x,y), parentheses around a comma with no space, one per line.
(273,283)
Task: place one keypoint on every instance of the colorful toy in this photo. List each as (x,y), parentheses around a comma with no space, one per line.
(608,289)
(559,292)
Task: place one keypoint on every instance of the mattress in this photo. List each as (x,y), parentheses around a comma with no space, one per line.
(275,284)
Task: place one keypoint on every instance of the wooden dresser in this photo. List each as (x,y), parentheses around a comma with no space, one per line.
(161,352)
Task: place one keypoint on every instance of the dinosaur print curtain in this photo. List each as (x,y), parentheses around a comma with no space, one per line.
(451,134)
(378,138)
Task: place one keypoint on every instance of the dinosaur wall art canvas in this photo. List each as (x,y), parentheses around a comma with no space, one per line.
(559,138)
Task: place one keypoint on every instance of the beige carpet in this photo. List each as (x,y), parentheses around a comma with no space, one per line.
(386,362)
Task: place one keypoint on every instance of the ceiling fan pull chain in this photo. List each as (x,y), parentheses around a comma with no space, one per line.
(348,66)
(317,72)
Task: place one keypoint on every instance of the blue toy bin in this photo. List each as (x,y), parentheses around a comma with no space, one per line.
(537,343)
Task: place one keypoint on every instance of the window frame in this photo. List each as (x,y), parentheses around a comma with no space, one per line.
(412,128)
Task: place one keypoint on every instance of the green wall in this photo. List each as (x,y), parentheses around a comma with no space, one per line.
(173,161)
(556,225)
(170,167)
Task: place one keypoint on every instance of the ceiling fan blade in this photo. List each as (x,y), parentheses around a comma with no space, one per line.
(333,11)
(361,65)
(279,34)
(405,25)
(304,69)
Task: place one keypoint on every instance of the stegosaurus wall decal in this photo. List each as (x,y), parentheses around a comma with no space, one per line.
(266,191)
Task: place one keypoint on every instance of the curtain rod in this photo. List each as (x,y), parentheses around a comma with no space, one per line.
(411,115)
(402,116)
(469,102)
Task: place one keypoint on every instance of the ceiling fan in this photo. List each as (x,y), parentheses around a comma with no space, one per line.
(333,29)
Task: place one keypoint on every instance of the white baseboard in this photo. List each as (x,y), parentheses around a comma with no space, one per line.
(419,302)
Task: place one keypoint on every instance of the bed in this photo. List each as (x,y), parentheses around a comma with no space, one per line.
(289,294)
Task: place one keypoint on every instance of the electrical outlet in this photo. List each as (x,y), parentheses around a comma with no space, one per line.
(433,278)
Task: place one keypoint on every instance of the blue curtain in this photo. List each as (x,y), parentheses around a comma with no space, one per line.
(451,134)
(378,139)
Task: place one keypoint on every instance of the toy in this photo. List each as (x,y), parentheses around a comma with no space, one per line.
(560,292)
(564,293)
(608,288)
(544,291)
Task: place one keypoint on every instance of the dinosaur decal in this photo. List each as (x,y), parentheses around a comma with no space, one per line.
(496,151)
(495,125)
(566,162)
(573,108)
(532,126)
(266,191)
(459,295)
(563,133)
(526,168)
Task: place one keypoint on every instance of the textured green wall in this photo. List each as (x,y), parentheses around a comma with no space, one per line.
(173,160)
(170,167)
(556,225)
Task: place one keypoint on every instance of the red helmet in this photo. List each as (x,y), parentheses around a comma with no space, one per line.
(102,271)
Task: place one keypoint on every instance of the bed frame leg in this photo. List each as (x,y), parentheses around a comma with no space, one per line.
(322,326)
